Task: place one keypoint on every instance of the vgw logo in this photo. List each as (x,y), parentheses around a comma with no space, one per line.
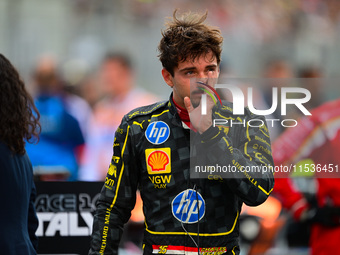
(157,132)
(188,206)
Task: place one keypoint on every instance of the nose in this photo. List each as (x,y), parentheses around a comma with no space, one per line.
(206,78)
(202,76)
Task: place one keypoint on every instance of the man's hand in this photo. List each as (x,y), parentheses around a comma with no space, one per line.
(200,122)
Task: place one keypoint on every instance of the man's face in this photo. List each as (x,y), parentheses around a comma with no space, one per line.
(114,77)
(201,68)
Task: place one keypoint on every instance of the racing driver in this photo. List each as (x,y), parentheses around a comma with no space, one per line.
(152,152)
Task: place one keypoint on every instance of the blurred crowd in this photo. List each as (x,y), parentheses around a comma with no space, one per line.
(304,32)
(79,119)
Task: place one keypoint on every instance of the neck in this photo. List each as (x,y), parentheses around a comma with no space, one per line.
(182,112)
(184,115)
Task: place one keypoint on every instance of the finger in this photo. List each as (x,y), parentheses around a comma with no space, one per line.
(209,102)
(187,104)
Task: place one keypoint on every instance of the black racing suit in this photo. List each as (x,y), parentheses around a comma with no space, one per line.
(156,159)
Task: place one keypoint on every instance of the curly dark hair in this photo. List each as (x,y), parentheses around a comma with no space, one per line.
(188,37)
(19,118)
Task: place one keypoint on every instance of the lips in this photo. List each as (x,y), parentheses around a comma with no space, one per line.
(203,86)
(197,92)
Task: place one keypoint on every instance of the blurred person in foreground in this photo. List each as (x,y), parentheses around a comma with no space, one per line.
(57,154)
(116,77)
(19,122)
(312,149)
(152,152)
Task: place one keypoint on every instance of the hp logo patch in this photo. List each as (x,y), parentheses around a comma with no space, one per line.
(187,206)
(157,132)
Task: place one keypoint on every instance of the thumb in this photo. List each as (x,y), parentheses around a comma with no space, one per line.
(188,104)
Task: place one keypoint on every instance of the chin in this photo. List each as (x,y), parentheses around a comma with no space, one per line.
(195,102)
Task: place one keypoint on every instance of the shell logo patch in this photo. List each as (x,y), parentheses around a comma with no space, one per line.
(158,161)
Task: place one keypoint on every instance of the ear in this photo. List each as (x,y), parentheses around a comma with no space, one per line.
(167,77)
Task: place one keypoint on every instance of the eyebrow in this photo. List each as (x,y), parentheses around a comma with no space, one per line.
(187,69)
(193,68)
